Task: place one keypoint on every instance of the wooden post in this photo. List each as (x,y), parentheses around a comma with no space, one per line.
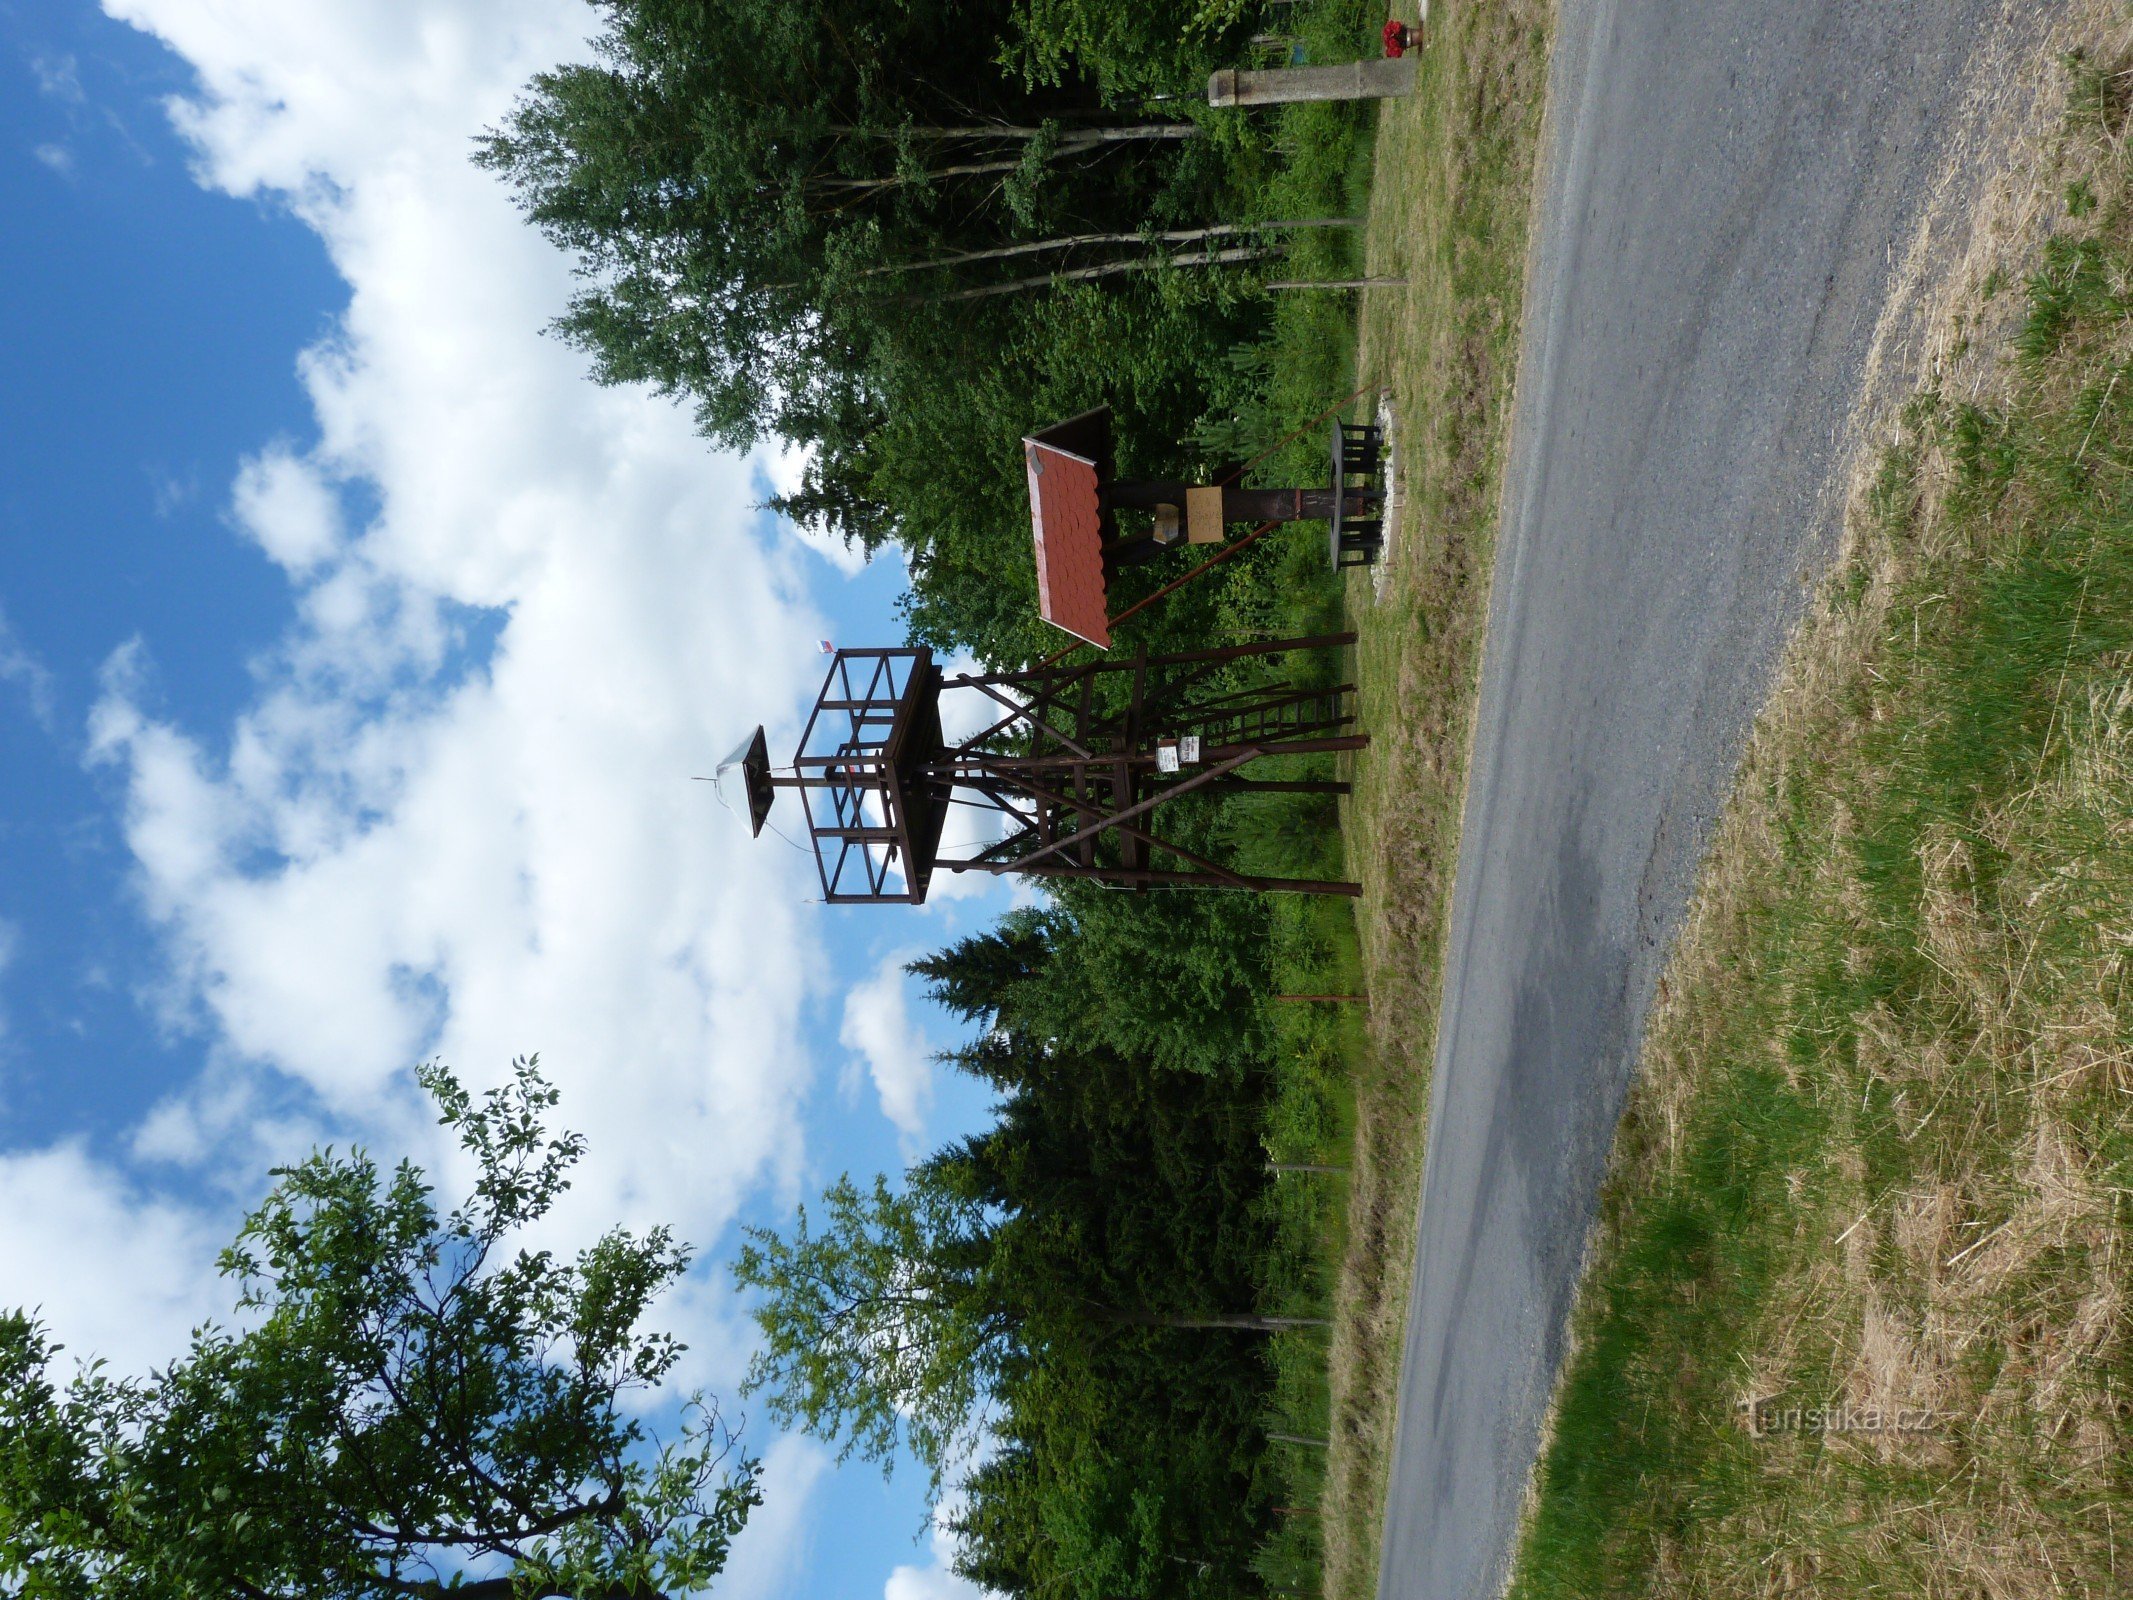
(1349,80)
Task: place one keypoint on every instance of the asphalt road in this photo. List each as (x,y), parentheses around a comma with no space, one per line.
(1726,184)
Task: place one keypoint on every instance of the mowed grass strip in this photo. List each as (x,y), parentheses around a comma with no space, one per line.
(1450,198)
(1857,1319)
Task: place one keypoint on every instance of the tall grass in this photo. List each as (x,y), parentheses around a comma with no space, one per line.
(1306,364)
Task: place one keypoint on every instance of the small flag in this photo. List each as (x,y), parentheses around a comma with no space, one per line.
(828,649)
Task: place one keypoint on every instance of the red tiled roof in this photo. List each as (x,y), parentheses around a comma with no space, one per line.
(1066,518)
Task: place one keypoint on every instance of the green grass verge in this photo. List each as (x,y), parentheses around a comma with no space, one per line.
(1857,1320)
(1449,212)
(1444,179)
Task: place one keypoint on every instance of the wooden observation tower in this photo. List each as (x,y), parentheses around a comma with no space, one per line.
(1072,767)
(1068,775)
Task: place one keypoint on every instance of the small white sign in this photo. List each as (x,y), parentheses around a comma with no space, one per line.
(1189,749)
(1166,756)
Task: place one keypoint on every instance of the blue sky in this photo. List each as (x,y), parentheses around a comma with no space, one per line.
(355,656)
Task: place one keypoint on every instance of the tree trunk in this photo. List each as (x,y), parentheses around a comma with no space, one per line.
(1072,240)
(1242,1321)
(1338,283)
(1074,138)
(893,181)
(1069,143)
(1287,1166)
(1078,274)
(1299,1438)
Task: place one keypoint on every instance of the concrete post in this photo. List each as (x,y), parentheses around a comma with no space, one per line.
(1349,80)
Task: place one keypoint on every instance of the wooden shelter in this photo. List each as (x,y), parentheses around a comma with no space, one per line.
(1075,498)
(1068,777)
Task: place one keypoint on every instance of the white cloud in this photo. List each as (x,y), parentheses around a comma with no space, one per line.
(55,157)
(877,1024)
(456,817)
(10,947)
(286,504)
(766,1558)
(59,77)
(20,667)
(934,1581)
(114,1272)
(780,468)
(171,493)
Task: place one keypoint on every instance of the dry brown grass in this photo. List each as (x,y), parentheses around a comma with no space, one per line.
(1942,1223)
(1449,213)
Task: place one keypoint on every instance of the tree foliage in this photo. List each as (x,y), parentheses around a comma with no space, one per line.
(1026,1312)
(901,244)
(797,221)
(875,1326)
(410,1405)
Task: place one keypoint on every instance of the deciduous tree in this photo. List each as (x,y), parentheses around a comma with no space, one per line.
(411,1405)
(877,1325)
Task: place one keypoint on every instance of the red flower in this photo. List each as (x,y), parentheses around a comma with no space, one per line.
(1395,38)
